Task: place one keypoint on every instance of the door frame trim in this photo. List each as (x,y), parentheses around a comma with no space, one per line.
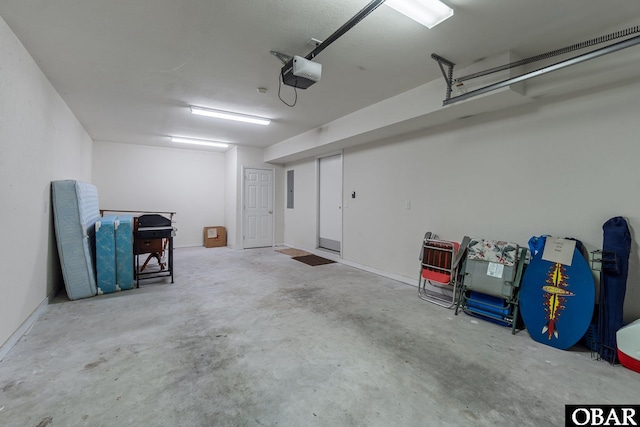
(317,162)
(242,203)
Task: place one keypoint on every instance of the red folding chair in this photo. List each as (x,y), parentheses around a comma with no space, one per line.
(440,270)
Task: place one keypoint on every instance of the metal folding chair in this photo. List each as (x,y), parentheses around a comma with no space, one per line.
(440,270)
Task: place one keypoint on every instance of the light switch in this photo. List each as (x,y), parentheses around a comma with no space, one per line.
(407,205)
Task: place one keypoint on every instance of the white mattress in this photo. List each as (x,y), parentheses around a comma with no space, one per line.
(75,212)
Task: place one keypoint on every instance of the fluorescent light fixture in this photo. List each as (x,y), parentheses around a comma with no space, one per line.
(199,142)
(426,12)
(229,116)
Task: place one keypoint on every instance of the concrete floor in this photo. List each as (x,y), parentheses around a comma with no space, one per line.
(254,337)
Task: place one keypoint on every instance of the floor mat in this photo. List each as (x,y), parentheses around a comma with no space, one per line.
(313,260)
(293,252)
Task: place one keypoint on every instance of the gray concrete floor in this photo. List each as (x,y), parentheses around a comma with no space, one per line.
(254,337)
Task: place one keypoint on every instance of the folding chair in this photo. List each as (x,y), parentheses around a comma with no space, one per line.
(491,286)
(440,270)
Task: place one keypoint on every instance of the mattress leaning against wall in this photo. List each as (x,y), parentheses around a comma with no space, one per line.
(106,254)
(124,252)
(75,212)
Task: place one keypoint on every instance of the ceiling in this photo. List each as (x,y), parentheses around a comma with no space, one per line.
(129,70)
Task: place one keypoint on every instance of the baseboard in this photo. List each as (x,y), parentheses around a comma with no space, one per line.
(26,325)
(393,276)
(334,256)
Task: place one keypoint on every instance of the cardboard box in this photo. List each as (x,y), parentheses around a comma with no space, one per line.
(215,237)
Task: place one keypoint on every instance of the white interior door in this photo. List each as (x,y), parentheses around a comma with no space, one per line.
(258,208)
(330,216)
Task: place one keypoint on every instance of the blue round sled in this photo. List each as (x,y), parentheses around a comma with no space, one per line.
(557,300)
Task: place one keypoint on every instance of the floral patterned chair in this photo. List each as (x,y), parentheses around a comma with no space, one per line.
(490,289)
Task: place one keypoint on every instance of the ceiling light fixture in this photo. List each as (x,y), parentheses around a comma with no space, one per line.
(199,142)
(229,116)
(426,12)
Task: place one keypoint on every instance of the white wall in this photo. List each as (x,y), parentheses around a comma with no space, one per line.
(145,178)
(561,168)
(40,141)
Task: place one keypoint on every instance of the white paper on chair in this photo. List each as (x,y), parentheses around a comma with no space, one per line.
(558,250)
(212,233)
(495,270)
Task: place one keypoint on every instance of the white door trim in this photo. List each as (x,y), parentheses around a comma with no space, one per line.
(318,158)
(242,203)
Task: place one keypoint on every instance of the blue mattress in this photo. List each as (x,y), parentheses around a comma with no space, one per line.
(75,212)
(106,254)
(124,252)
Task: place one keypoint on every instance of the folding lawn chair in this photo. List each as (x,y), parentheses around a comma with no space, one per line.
(440,270)
(491,286)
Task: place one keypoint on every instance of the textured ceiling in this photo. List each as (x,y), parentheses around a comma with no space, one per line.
(130,69)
